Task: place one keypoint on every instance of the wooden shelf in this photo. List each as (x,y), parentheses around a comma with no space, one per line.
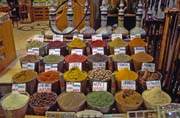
(40,12)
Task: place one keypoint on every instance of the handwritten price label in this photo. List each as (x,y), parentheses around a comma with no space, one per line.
(152,84)
(55,52)
(99,50)
(123,65)
(99,65)
(50,67)
(73,86)
(97,37)
(116,36)
(27,66)
(118,50)
(57,37)
(79,36)
(148,66)
(128,84)
(39,38)
(19,88)
(44,87)
(77,51)
(75,64)
(139,49)
(99,86)
(33,51)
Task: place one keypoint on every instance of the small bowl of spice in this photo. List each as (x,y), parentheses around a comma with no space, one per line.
(98,44)
(57,47)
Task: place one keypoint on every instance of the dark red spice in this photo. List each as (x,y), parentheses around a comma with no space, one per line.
(56,44)
(75,58)
(98,43)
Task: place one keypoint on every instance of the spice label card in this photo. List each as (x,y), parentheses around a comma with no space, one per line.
(55,52)
(33,51)
(152,84)
(75,64)
(99,86)
(128,84)
(148,66)
(99,65)
(139,49)
(39,38)
(123,65)
(99,50)
(116,36)
(44,87)
(77,51)
(49,67)
(97,37)
(73,87)
(27,66)
(57,37)
(21,88)
(79,36)
(135,36)
(118,50)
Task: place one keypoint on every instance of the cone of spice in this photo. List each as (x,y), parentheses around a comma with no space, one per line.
(136,42)
(116,43)
(58,45)
(140,58)
(51,77)
(97,44)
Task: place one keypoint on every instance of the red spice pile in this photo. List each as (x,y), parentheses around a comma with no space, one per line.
(98,43)
(49,76)
(75,58)
(56,44)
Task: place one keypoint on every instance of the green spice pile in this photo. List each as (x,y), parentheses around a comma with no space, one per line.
(121,58)
(97,58)
(117,42)
(99,75)
(53,59)
(35,44)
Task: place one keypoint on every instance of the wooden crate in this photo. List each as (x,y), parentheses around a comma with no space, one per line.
(40,13)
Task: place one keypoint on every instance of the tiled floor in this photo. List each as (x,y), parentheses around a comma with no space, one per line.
(20,38)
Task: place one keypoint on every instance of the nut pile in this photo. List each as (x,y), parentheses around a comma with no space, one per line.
(42,99)
(99,75)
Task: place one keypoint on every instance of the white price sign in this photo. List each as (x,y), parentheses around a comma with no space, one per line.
(97,37)
(135,36)
(75,64)
(128,84)
(79,36)
(118,50)
(99,65)
(44,87)
(139,49)
(99,50)
(152,84)
(26,66)
(19,88)
(148,66)
(77,51)
(123,65)
(39,38)
(55,52)
(57,37)
(33,51)
(116,36)
(50,67)
(99,86)
(73,86)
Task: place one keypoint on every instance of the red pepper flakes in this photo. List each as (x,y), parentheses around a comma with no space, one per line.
(98,43)
(75,58)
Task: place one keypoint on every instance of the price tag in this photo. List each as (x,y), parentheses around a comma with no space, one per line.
(44,87)
(135,36)
(57,37)
(123,65)
(19,88)
(73,86)
(99,65)
(128,84)
(99,50)
(118,50)
(97,37)
(27,66)
(77,51)
(152,84)
(79,36)
(55,52)
(139,49)
(55,114)
(49,67)
(75,64)
(33,51)
(148,66)
(39,38)
(99,86)
(116,36)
